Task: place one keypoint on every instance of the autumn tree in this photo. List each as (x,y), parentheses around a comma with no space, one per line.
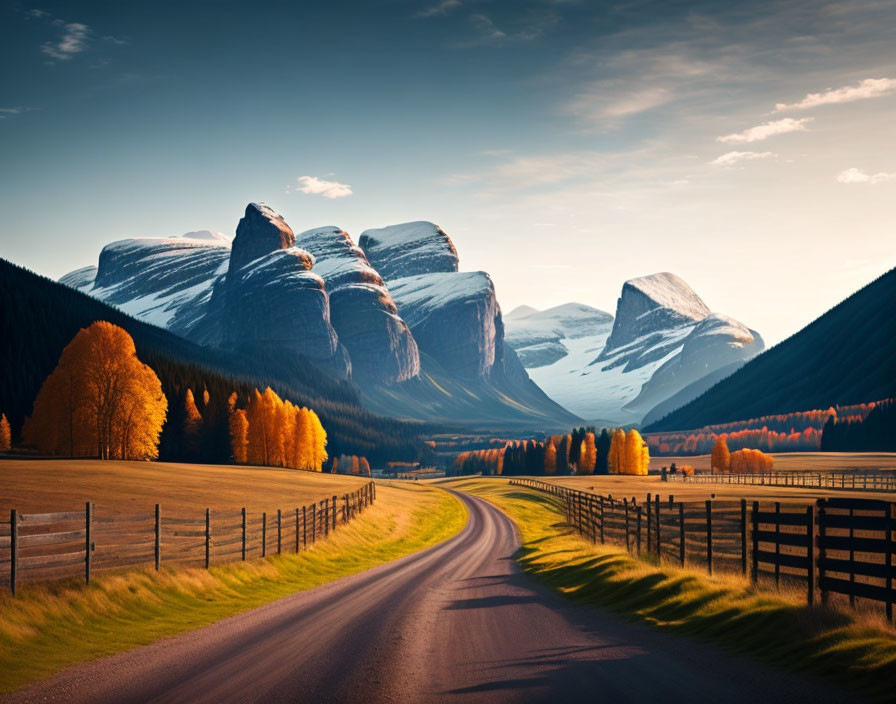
(5,434)
(750,461)
(721,458)
(616,454)
(588,455)
(637,457)
(550,457)
(100,400)
(192,427)
(239,435)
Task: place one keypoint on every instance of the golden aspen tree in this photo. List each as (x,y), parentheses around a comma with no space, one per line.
(588,456)
(364,467)
(239,435)
(721,457)
(303,439)
(100,400)
(356,465)
(232,400)
(192,425)
(257,451)
(5,434)
(616,458)
(550,457)
(319,444)
(636,460)
(205,399)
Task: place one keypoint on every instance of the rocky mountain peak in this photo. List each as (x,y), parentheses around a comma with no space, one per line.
(652,303)
(409,249)
(261,230)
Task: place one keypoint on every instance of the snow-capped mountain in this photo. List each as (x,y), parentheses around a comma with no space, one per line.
(663,339)
(395,315)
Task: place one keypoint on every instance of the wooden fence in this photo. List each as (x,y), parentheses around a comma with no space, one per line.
(837,545)
(844,481)
(45,546)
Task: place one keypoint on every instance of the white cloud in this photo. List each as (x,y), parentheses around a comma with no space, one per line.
(597,103)
(442,8)
(858,176)
(766,130)
(732,158)
(73,41)
(312,185)
(867,88)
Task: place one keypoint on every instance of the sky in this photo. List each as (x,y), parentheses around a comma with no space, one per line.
(564,146)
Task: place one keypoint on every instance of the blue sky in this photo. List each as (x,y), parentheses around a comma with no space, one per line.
(565,146)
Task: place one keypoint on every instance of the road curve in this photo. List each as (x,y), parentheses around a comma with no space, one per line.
(458,622)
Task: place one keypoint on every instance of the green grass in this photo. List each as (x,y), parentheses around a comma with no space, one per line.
(853,650)
(49,627)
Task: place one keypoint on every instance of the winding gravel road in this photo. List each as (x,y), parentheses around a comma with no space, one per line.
(458,622)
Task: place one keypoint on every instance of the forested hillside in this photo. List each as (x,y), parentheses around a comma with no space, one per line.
(847,356)
(39,317)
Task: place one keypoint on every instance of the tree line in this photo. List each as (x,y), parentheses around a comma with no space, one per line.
(582,451)
(876,432)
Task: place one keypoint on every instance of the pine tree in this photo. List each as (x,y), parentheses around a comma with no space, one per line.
(602,465)
(5,434)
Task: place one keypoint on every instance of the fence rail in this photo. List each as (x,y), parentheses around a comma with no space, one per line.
(843,481)
(838,545)
(38,547)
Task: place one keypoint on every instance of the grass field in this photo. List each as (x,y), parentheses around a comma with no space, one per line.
(800,461)
(853,650)
(122,488)
(48,627)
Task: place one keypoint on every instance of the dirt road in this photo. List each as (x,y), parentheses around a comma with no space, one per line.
(456,623)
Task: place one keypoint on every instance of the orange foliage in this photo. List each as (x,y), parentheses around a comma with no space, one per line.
(5,434)
(748,461)
(100,401)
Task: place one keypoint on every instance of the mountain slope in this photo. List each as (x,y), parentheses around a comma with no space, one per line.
(38,317)
(846,356)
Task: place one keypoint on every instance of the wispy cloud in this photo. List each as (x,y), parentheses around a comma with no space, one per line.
(852,176)
(486,31)
(732,158)
(766,130)
(868,88)
(596,103)
(9,112)
(312,185)
(442,8)
(74,40)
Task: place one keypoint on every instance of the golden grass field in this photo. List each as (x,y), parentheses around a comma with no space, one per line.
(130,488)
(47,627)
(800,461)
(853,649)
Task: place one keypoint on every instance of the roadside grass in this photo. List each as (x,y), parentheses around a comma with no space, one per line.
(854,650)
(51,626)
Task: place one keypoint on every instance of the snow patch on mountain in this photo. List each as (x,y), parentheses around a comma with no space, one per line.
(409,249)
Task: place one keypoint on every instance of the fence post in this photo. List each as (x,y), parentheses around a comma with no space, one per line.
(648,523)
(13,549)
(264,534)
(822,550)
(344,509)
(326,517)
(754,532)
(601,520)
(628,544)
(334,512)
(243,512)
(158,541)
(297,530)
(208,536)
(852,558)
(313,523)
(659,546)
(810,552)
(777,543)
(889,561)
(279,532)
(88,515)
(638,532)
(743,537)
(304,528)
(709,535)
(681,533)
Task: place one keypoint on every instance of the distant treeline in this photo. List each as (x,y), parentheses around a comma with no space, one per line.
(874,433)
(582,451)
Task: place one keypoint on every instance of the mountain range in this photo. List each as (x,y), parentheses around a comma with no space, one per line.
(392,315)
(664,345)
